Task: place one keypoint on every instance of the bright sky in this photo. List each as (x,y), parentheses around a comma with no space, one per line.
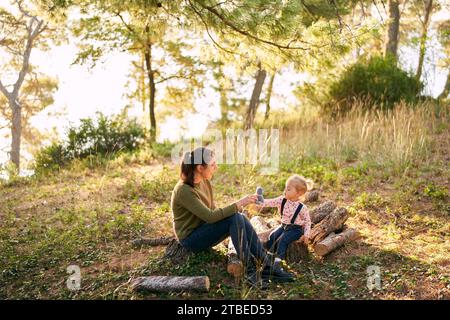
(82,92)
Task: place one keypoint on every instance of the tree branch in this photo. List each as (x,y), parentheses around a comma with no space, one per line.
(172,77)
(246,33)
(26,55)
(22,10)
(208,33)
(4,90)
(125,24)
(333,2)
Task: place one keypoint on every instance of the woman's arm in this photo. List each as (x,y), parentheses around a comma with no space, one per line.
(191,201)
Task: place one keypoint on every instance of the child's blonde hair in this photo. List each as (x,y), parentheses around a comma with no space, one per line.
(300,183)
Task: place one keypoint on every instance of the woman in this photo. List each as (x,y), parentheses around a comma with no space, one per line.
(199,224)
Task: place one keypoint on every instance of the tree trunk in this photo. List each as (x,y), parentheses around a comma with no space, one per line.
(152,88)
(446,90)
(333,241)
(254,101)
(142,87)
(171,284)
(34,28)
(269,95)
(391,43)
(16,132)
(423,38)
(333,222)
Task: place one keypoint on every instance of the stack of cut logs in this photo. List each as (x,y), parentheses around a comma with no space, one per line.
(328,232)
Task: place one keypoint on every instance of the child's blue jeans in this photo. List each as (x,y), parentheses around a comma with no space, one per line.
(281,237)
(244,237)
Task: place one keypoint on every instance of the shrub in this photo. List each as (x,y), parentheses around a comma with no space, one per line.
(377,80)
(51,157)
(102,136)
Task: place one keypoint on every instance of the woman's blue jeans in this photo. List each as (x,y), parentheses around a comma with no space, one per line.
(244,237)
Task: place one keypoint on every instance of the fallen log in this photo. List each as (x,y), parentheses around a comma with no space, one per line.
(171,284)
(317,214)
(333,241)
(334,221)
(161,241)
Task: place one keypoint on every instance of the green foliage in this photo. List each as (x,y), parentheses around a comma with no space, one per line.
(103,136)
(369,201)
(51,157)
(435,192)
(163,149)
(378,79)
(158,189)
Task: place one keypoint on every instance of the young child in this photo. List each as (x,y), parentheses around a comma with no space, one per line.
(295,219)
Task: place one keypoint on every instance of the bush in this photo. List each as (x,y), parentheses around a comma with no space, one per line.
(377,80)
(51,157)
(102,136)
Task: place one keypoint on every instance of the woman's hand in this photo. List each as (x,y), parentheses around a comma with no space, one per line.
(251,198)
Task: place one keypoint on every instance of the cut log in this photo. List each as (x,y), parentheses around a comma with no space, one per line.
(234,266)
(333,241)
(259,224)
(161,241)
(264,236)
(312,196)
(334,221)
(176,252)
(171,284)
(262,228)
(297,251)
(317,214)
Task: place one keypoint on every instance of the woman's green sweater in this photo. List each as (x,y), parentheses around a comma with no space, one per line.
(193,206)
